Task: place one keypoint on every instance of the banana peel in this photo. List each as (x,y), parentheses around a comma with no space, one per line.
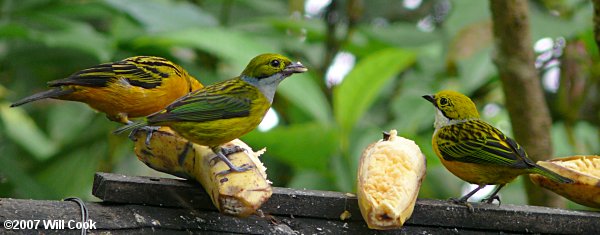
(389,178)
(236,193)
(583,170)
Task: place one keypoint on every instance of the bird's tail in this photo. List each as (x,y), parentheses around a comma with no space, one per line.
(551,175)
(52,93)
(131,126)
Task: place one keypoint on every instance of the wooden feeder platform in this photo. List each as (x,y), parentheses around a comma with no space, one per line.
(141,205)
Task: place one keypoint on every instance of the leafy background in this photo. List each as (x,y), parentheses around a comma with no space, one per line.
(388,53)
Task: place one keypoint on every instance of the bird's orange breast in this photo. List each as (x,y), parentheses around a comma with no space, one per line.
(122,99)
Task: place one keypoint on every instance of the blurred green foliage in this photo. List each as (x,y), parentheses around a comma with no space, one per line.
(51,149)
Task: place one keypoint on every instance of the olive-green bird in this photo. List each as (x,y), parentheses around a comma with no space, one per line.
(474,150)
(219,113)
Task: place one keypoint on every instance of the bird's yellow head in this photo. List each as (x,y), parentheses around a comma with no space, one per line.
(452,105)
(267,65)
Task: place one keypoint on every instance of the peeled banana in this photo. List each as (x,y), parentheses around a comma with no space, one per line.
(389,177)
(237,193)
(584,170)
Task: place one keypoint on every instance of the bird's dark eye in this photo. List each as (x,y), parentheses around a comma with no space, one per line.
(275,63)
(443,101)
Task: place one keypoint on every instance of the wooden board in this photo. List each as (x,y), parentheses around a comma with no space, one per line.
(324,205)
(141,205)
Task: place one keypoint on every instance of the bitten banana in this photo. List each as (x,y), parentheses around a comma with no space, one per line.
(389,177)
(239,193)
(583,170)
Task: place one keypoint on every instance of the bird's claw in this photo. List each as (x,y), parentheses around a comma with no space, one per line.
(491,199)
(241,168)
(463,201)
(149,131)
(226,151)
(222,154)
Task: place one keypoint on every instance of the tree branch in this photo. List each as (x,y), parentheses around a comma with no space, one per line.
(597,22)
(530,118)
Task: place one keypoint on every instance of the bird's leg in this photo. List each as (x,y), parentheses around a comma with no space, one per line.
(463,199)
(83,208)
(494,196)
(222,154)
(227,152)
(183,154)
(232,150)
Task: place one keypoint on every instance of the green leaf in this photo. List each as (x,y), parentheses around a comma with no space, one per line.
(57,31)
(83,162)
(345,179)
(301,145)
(301,90)
(465,13)
(545,25)
(310,179)
(22,130)
(476,71)
(13,31)
(359,89)
(68,120)
(163,16)
(233,46)
(13,172)
(411,35)
(412,112)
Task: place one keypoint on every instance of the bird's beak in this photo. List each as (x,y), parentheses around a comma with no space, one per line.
(295,67)
(429,98)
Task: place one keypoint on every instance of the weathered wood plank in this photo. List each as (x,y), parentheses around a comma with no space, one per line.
(139,219)
(327,206)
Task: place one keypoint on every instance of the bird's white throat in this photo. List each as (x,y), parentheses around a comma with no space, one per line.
(441,120)
(267,86)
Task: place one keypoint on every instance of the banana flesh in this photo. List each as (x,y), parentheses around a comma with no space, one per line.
(389,177)
(584,170)
(235,193)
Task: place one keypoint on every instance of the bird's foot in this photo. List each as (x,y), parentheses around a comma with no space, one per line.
(490,200)
(226,151)
(222,154)
(149,131)
(463,201)
(241,168)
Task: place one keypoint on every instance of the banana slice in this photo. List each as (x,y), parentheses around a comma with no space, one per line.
(584,170)
(237,193)
(389,177)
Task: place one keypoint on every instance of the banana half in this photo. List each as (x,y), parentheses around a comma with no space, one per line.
(389,177)
(584,170)
(237,193)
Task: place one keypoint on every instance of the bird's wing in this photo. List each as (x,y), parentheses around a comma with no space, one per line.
(141,71)
(205,105)
(468,143)
(523,160)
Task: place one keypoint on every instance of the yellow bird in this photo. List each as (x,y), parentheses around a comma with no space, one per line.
(219,113)
(474,150)
(134,87)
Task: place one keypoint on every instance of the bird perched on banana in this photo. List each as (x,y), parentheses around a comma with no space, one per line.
(224,111)
(474,150)
(134,87)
